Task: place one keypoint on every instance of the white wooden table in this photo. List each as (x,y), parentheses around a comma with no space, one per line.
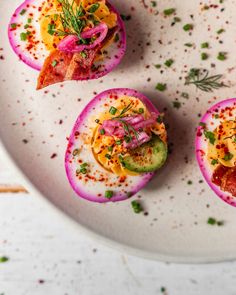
(46,256)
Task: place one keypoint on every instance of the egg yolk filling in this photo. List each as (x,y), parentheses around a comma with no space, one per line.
(222,145)
(108,149)
(85,13)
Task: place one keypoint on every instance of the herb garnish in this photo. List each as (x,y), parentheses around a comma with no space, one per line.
(222,56)
(128,128)
(136,206)
(71,19)
(205,45)
(210,135)
(169,62)
(161,87)
(169,11)
(202,80)
(188,27)
(213,221)
(108,194)
(3,259)
(228,156)
(204,56)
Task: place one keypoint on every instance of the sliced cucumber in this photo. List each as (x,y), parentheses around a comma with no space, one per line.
(148,157)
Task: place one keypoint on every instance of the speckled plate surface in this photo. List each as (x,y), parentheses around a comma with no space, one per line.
(34,126)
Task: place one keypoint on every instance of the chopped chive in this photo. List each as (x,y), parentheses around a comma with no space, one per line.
(94,7)
(221,56)
(202,124)
(211,221)
(188,27)
(54,63)
(158,66)
(204,56)
(83,170)
(136,206)
(112,111)
(26,26)
(84,165)
(176,104)
(220,31)
(153,3)
(83,54)
(118,142)
(23,11)
(169,11)
(110,148)
(108,156)
(205,45)
(210,135)
(51,29)
(228,156)
(161,87)
(216,116)
(188,44)
(169,62)
(29,20)
(141,110)
(23,36)
(3,259)
(13,25)
(214,162)
(102,131)
(108,194)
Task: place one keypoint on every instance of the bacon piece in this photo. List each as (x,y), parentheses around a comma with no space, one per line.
(218,174)
(225,177)
(54,68)
(229,181)
(61,66)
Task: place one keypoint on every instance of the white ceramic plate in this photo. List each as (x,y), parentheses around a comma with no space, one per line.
(34,126)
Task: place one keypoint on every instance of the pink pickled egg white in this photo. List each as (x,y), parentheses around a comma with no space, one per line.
(34,53)
(94,188)
(228,108)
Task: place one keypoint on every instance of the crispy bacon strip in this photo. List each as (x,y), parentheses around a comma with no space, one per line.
(60,66)
(225,177)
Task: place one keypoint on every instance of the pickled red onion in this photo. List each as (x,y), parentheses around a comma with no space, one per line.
(70,43)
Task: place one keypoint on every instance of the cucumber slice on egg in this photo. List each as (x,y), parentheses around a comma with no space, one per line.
(148,157)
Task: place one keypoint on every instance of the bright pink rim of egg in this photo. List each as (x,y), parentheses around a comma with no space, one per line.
(108,66)
(81,191)
(201,158)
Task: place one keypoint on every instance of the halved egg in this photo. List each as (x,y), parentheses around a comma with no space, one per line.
(216,149)
(115,147)
(37,28)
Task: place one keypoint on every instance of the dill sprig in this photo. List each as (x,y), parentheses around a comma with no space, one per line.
(71,19)
(127,127)
(202,80)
